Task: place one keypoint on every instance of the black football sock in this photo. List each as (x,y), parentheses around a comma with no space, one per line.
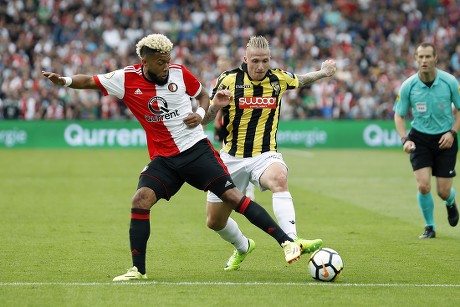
(139,233)
(258,216)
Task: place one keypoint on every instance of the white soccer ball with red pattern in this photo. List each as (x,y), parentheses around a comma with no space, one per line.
(325,264)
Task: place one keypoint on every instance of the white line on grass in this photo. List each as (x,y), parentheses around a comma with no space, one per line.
(209,283)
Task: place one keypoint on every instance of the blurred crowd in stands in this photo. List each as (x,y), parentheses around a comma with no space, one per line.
(373,43)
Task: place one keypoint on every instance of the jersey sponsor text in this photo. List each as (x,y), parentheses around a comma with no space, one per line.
(158,118)
(257,102)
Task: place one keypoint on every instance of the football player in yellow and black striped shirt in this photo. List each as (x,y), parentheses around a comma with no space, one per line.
(250,150)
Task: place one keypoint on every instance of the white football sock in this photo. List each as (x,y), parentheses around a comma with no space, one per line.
(232,234)
(283,208)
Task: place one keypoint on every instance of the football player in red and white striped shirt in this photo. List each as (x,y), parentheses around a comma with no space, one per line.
(159,94)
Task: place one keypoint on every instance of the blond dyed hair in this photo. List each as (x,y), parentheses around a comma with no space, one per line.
(258,42)
(155,42)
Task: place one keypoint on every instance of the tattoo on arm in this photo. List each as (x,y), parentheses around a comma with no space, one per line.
(310,77)
(209,116)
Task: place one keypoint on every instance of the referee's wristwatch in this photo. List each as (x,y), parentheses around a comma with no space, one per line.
(404,139)
(454,134)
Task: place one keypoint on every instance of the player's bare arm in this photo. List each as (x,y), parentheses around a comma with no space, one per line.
(194,119)
(328,69)
(221,99)
(76,81)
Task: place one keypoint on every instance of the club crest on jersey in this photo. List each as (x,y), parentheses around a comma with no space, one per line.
(276,87)
(257,102)
(159,108)
(172,87)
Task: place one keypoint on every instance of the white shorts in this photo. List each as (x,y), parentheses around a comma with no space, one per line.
(244,170)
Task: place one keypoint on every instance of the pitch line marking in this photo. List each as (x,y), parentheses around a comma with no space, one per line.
(209,283)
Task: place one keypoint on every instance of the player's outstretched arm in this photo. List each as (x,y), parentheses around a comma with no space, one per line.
(328,69)
(76,81)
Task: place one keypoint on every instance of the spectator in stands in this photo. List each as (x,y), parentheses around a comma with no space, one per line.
(35,33)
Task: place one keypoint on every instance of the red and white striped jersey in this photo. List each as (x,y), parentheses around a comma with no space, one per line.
(160,109)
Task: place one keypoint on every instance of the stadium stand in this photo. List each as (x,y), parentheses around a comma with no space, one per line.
(371,41)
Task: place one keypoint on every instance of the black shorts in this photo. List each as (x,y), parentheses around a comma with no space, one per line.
(428,154)
(200,166)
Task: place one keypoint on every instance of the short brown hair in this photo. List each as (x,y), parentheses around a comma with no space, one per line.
(425,45)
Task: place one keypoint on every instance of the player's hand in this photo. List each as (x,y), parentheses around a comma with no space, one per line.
(222,98)
(409,146)
(54,77)
(328,67)
(446,140)
(192,120)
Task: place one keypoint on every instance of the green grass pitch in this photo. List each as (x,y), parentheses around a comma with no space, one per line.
(64,235)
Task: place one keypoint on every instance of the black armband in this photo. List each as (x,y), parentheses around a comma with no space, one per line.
(404,139)
(454,134)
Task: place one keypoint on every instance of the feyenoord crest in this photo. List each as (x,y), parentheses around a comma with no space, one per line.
(172,87)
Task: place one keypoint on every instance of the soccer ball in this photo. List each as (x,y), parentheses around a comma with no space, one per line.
(325,264)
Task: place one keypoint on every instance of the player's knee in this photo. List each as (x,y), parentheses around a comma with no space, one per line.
(281,178)
(444,193)
(232,197)
(275,181)
(144,198)
(215,222)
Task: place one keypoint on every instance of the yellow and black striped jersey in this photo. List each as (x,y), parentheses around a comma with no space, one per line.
(251,119)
